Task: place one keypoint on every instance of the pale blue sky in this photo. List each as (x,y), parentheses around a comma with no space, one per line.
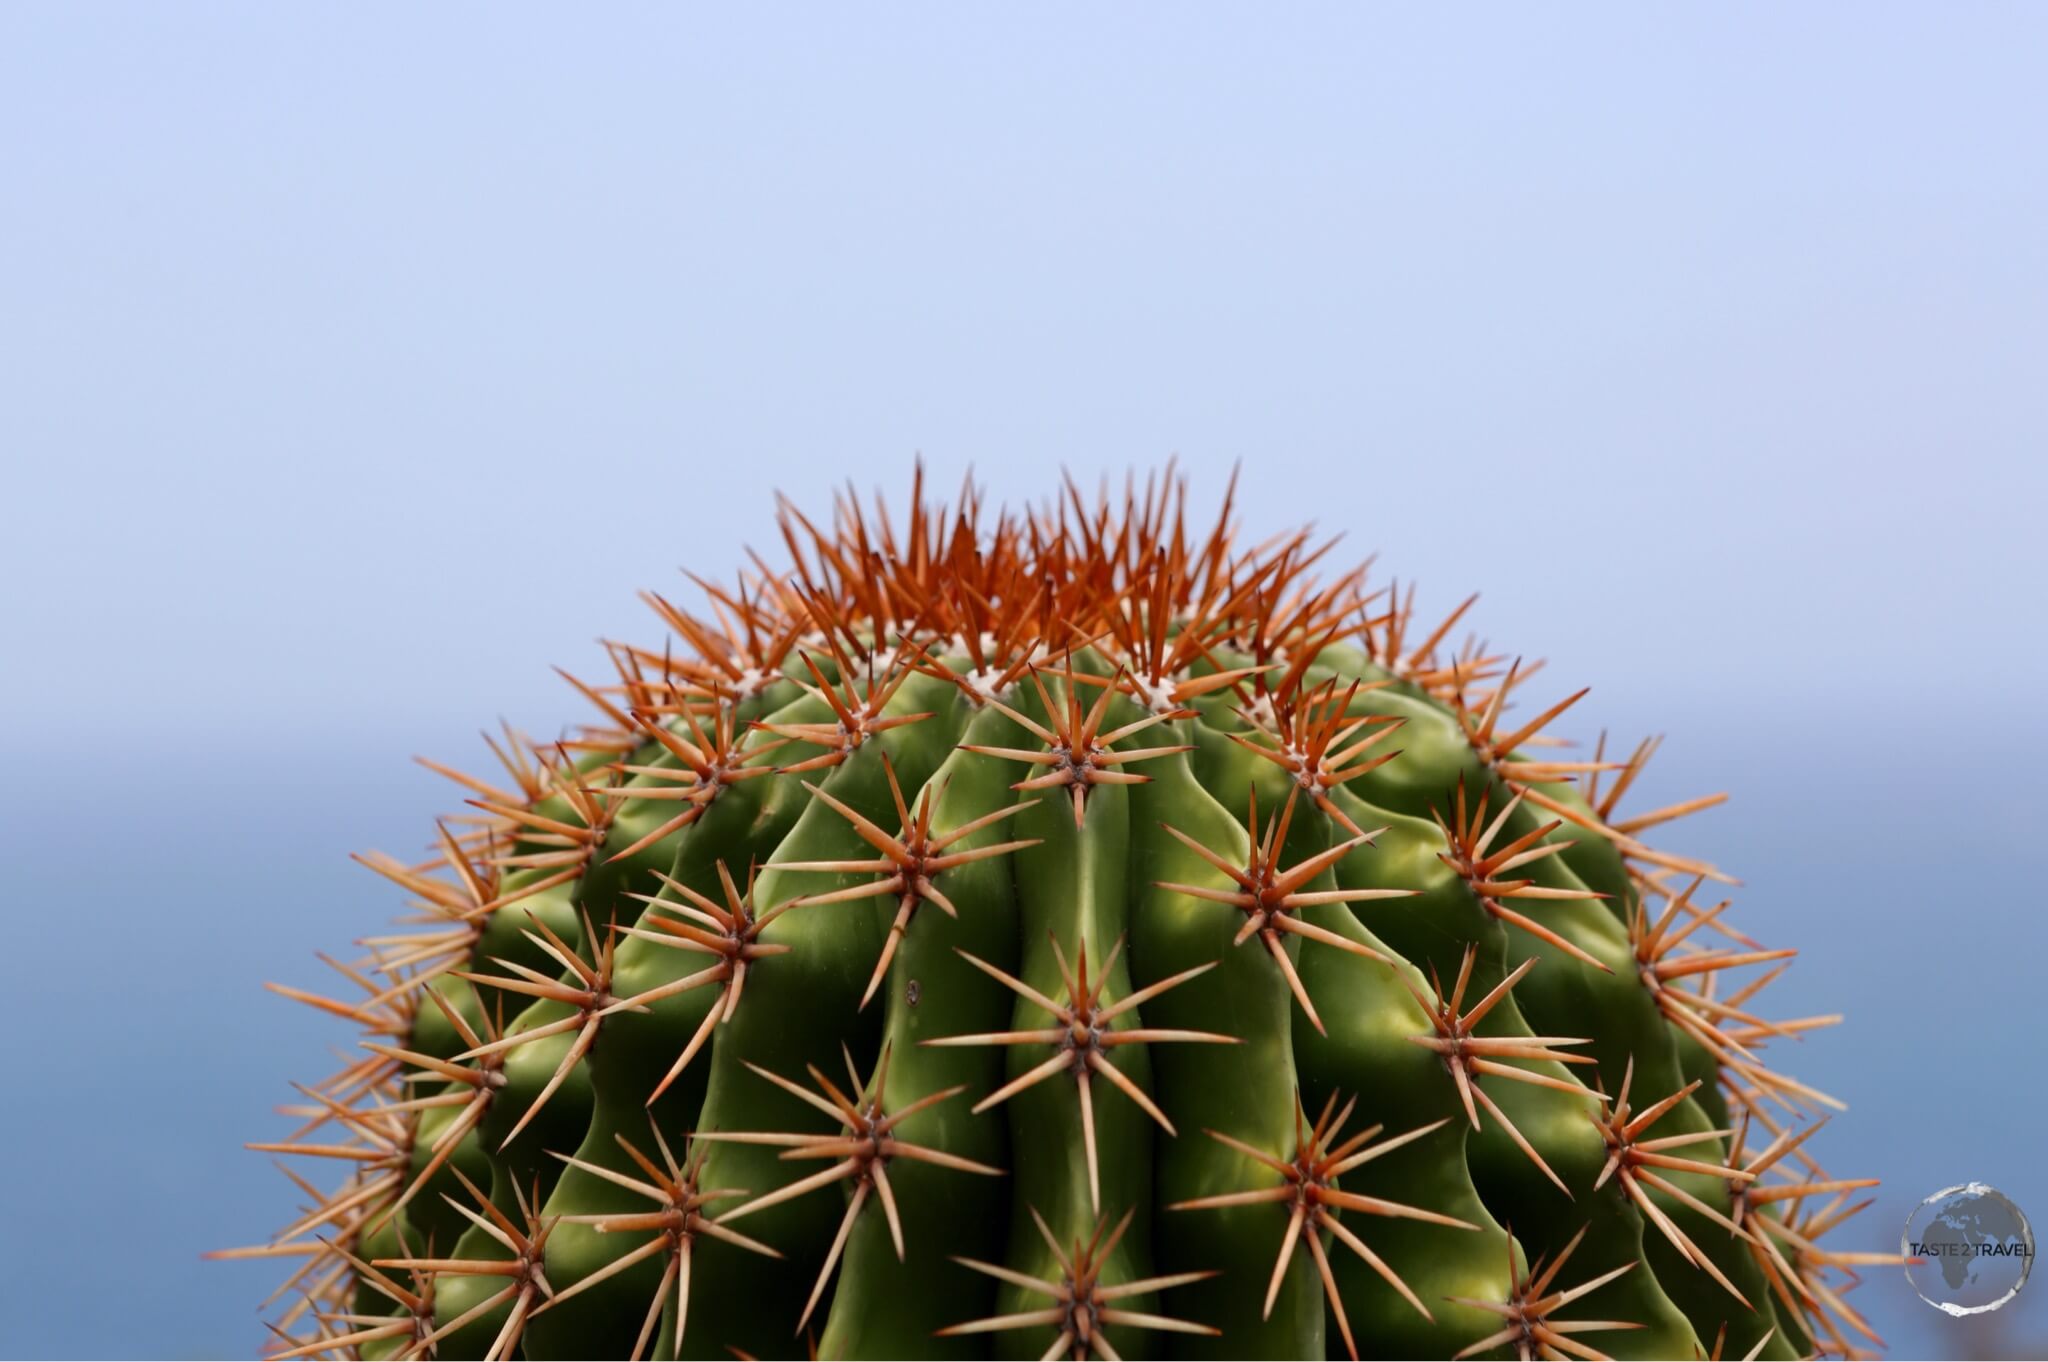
(357,363)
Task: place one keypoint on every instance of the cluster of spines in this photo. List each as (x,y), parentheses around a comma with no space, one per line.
(863,608)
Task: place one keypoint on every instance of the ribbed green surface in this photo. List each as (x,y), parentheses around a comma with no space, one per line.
(1447,1218)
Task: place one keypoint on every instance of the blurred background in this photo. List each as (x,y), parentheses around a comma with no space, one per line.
(358,364)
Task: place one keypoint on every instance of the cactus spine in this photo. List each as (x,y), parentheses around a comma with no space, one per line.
(1069,933)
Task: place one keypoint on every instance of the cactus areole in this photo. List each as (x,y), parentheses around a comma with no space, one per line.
(1076,932)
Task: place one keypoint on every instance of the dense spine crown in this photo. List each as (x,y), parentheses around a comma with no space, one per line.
(940,947)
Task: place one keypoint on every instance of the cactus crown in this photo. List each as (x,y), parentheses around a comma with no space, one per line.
(1077,932)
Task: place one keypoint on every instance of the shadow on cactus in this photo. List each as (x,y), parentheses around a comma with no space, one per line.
(1076,932)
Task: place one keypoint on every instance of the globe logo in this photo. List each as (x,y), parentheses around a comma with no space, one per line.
(1974,1248)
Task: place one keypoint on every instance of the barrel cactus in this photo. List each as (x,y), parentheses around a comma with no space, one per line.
(1076,932)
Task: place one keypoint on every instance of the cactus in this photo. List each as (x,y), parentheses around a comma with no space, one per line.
(1069,933)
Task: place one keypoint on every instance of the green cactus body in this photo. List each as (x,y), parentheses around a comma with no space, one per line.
(1065,935)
